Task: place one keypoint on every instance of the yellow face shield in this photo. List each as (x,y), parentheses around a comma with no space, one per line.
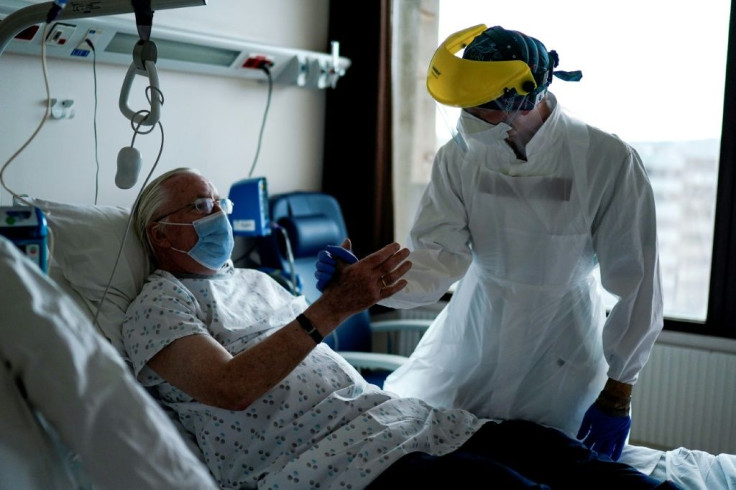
(458,82)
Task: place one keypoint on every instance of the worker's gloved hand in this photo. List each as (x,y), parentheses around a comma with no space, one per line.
(607,422)
(327,263)
(604,433)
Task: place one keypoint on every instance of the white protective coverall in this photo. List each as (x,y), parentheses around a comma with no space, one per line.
(525,335)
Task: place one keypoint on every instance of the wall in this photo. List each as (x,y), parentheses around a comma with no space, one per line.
(211,123)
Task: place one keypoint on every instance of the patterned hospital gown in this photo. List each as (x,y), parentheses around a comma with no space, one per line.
(322,426)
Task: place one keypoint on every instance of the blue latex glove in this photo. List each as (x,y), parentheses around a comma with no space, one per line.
(604,433)
(327,263)
(325,269)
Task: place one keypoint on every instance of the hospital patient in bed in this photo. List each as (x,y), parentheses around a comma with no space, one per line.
(241,363)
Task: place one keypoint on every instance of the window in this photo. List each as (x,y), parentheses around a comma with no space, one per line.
(658,84)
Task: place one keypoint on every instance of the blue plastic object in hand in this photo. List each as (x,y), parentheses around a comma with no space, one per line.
(604,433)
(325,269)
(327,263)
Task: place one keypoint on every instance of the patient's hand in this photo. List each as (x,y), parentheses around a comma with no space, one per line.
(331,260)
(362,284)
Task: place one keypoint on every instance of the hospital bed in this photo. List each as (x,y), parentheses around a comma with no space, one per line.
(72,415)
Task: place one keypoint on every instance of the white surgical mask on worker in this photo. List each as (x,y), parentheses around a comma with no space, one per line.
(475,129)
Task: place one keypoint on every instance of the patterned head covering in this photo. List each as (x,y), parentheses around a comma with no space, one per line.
(499,44)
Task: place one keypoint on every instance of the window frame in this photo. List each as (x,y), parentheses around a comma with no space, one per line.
(721,316)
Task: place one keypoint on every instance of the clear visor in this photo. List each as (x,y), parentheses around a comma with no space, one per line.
(448,120)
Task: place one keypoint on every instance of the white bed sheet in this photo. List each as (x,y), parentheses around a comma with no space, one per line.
(65,371)
(28,456)
(691,469)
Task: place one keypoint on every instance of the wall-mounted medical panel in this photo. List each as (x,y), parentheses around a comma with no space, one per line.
(113,39)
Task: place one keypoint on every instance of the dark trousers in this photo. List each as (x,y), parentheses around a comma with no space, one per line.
(515,454)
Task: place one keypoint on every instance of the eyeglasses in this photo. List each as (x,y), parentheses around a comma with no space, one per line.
(204,205)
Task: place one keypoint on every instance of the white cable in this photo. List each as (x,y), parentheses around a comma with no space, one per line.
(127,226)
(38,128)
(290,257)
(263,122)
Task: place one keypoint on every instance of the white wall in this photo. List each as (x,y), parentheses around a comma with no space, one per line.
(211,123)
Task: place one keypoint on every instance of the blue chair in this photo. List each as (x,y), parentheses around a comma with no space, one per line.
(306,222)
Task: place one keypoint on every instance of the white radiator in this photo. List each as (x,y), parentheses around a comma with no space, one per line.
(685,396)
(403,342)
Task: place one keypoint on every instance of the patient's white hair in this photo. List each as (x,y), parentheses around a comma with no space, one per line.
(149,202)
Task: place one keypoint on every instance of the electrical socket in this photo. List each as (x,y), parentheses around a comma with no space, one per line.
(83,49)
(60,34)
(62,109)
(258,61)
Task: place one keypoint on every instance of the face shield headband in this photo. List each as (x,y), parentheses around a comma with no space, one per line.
(458,82)
(498,85)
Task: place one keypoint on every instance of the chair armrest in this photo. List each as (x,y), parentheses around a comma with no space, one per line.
(373,360)
(400,325)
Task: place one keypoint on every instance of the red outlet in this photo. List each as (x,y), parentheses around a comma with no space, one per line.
(257,61)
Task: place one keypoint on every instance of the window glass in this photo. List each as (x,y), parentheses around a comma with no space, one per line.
(653,73)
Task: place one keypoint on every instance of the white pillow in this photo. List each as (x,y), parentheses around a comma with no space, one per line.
(85,241)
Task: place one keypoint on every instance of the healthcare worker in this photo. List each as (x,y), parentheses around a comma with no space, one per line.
(524,206)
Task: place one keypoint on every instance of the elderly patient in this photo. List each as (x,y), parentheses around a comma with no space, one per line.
(240,361)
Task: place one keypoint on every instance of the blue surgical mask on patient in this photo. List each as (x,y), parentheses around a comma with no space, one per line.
(215,243)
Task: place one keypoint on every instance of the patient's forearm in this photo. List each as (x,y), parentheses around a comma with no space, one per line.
(203,369)
(260,368)
(250,374)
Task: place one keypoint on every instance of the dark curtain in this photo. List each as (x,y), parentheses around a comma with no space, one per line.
(357,150)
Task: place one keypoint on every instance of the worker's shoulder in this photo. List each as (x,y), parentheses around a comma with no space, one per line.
(599,135)
(607,153)
(601,139)
(453,148)
(607,148)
